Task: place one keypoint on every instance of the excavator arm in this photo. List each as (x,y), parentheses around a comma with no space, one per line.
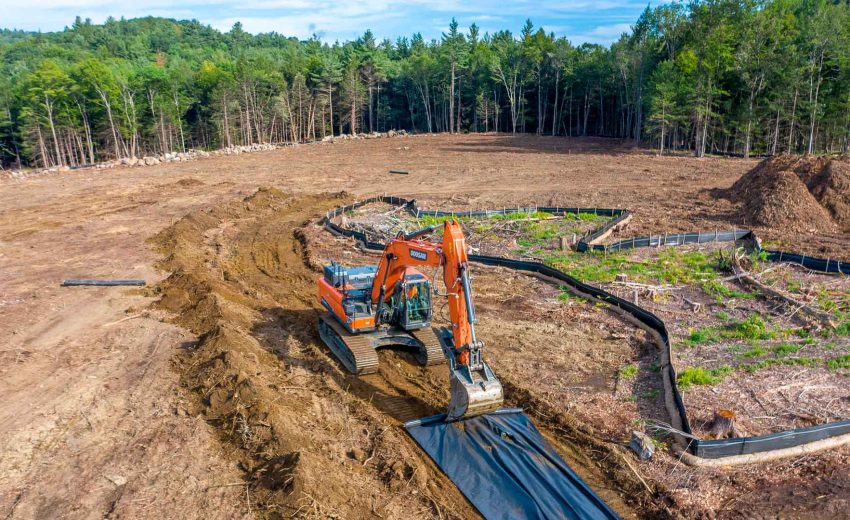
(474,387)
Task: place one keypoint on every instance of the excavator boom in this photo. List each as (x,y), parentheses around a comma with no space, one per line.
(473,386)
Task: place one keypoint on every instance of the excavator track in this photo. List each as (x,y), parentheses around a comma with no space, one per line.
(431,351)
(354,351)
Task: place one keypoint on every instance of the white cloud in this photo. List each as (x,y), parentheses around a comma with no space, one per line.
(602,34)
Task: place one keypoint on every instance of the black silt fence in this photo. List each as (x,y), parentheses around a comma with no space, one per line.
(706,448)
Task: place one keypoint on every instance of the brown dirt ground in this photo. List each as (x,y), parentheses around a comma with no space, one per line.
(98,423)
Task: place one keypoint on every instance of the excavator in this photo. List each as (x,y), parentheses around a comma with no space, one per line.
(390,305)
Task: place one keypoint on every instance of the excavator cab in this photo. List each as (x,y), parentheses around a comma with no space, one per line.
(414,302)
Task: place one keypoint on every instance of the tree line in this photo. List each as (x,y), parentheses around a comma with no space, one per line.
(718,76)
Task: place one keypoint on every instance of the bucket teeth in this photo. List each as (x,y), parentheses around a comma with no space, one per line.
(473,392)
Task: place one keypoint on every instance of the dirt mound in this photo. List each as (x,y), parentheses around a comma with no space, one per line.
(785,203)
(832,188)
(798,194)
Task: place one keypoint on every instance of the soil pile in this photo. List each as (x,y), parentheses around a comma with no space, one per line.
(832,189)
(797,194)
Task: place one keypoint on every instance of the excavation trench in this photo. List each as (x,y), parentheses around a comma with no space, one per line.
(312,440)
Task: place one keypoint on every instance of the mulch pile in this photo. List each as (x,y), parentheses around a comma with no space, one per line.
(794,193)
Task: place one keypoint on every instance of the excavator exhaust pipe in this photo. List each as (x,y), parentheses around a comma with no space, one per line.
(473,392)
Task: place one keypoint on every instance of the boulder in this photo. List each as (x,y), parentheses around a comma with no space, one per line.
(642,444)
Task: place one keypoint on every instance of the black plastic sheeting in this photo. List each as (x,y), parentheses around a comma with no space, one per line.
(706,448)
(502,464)
(104,283)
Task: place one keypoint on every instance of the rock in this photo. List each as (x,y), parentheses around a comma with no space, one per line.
(642,444)
(397,469)
(357,454)
(118,480)
(621,277)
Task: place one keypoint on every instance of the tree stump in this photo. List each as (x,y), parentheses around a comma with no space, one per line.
(722,425)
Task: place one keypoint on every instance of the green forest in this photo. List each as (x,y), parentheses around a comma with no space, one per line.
(740,77)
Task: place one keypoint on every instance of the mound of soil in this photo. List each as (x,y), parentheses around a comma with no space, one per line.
(785,203)
(798,194)
(832,189)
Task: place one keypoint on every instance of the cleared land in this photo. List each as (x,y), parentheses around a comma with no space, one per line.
(219,401)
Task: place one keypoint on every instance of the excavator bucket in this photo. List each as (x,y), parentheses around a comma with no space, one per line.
(473,392)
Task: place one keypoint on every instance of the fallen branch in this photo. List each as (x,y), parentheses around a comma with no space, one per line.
(820,316)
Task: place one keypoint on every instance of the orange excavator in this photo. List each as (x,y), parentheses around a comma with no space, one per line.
(390,305)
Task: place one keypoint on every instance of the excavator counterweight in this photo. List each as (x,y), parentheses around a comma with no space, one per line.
(390,304)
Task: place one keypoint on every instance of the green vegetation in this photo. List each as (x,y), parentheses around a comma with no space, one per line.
(721,293)
(840,362)
(843,329)
(651,394)
(587,217)
(795,361)
(521,215)
(686,75)
(785,349)
(565,296)
(628,372)
(756,351)
(700,376)
(672,266)
(752,329)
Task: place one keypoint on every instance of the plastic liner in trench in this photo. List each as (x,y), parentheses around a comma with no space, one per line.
(502,464)
(704,448)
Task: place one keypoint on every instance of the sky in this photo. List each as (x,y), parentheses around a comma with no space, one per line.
(592,21)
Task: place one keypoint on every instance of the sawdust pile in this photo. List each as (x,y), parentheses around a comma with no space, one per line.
(797,194)
(304,432)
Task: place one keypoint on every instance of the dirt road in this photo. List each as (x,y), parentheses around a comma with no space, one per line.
(95,421)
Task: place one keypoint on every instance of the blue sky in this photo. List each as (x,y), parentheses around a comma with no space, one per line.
(600,21)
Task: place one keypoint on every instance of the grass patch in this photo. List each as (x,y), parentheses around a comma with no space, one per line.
(839,362)
(752,329)
(722,316)
(784,349)
(756,351)
(519,215)
(751,368)
(691,376)
(565,296)
(587,217)
(628,372)
(721,293)
(651,394)
(702,335)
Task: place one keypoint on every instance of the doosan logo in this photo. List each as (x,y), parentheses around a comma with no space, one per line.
(419,255)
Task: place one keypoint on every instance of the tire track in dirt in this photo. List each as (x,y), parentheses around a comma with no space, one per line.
(313,440)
